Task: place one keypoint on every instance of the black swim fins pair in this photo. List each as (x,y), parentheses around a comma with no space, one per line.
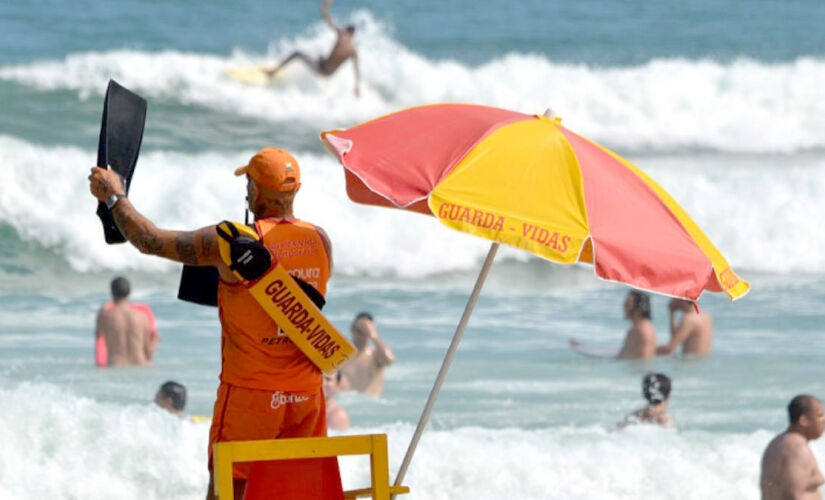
(121,134)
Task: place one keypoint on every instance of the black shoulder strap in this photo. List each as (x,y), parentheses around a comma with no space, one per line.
(223,233)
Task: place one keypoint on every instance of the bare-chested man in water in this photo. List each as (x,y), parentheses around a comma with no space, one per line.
(344,49)
(365,372)
(694,332)
(789,468)
(130,339)
(640,341)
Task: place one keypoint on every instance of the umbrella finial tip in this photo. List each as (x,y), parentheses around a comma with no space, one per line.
(549,113)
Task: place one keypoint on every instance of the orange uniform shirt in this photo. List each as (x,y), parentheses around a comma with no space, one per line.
(255,353)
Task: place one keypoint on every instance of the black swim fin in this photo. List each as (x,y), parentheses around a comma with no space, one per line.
(121,133)
(199,285)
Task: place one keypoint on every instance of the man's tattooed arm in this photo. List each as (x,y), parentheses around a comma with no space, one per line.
(198,248)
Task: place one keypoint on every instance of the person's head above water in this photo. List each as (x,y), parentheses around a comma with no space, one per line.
(273,178)
(637,303)
(656,388)
(362,315)
(171,397)
(807,415)
(350,29)
(120,288)
(681,304)
(359,333)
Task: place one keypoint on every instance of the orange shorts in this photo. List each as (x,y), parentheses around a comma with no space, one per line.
(242,414)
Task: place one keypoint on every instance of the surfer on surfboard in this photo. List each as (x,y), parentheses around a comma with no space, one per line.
(344,49)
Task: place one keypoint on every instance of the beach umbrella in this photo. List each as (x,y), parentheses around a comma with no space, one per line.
(529,182)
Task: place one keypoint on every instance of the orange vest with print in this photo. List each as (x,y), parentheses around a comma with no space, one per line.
(255,353)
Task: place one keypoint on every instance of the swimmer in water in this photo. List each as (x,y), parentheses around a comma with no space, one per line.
(656,390)
(171,396)
(640,340)
(337,417)
(694,331)
(789,467)
(130,335)
(365,372)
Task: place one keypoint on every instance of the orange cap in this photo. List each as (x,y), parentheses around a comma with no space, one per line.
(273,168)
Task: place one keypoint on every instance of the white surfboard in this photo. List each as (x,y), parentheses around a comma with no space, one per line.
(594,352)
(253,74)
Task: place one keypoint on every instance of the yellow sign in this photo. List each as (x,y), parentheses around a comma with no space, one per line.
(301,320)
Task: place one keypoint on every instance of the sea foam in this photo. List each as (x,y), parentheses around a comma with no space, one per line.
(736,143)
(60,446)
(742,105)
(759,213)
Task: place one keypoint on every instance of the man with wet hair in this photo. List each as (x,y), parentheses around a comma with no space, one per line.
(120,288)
(343,49)
(127,329)
(789,468)
(656,390)
(694,331)
(171,396)
(640,340)
(365,372)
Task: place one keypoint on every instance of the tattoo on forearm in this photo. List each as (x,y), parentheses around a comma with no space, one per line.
(130,223)
(149,243)
(207,245)
(147,238)
(185,246)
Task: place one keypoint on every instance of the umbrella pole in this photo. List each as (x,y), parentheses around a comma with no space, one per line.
(445,366)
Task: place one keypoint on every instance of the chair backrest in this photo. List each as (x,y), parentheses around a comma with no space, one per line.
(225,453)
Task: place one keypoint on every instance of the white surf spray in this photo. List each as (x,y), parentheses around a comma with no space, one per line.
(761,214)
(60,446)
(742,105)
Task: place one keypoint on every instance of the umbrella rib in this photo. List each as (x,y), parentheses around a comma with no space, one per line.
(445,365)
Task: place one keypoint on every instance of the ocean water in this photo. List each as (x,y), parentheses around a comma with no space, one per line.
(721,102)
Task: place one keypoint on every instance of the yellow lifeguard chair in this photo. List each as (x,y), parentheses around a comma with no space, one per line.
(225,453)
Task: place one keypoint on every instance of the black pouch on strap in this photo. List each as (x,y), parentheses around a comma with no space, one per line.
(248,256)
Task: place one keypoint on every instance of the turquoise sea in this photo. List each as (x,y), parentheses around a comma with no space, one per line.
(721,102)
